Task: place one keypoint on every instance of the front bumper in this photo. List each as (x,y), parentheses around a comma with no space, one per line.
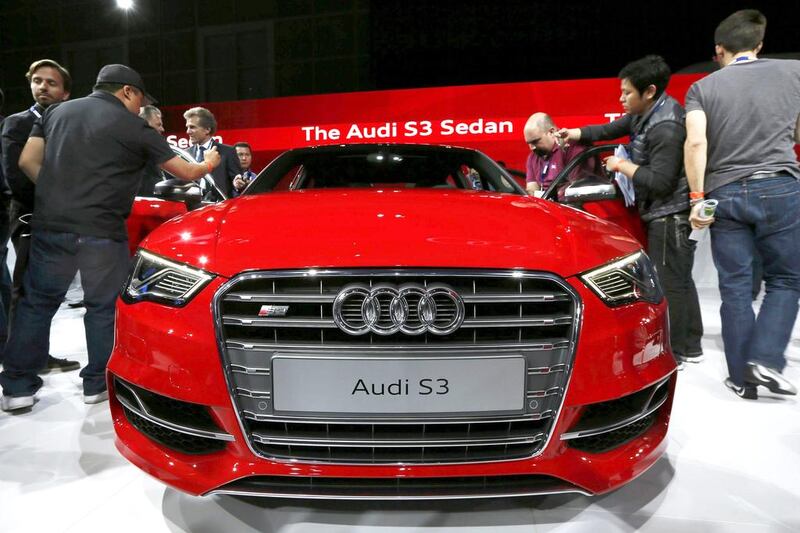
(619,352)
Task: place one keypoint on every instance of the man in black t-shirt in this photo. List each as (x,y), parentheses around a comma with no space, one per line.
(86,157)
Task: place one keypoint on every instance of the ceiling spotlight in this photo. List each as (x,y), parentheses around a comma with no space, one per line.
(125,4)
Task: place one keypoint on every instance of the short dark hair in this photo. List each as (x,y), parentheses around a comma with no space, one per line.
(204,117)
(649,70)
(741,31)
(36,65)
(242,144)
(110,88)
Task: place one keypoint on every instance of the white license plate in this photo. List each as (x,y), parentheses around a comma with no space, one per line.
(399,386)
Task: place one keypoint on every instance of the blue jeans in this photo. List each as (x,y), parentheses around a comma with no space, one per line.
(757,215)
(55,257)
(5,275)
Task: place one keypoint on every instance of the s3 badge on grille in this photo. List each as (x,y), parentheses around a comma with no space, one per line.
(273,310)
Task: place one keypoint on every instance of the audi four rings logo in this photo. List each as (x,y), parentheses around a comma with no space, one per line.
(385,309)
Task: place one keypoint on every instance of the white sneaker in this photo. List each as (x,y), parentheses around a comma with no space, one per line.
(14,403)
(95,398)
(758,374)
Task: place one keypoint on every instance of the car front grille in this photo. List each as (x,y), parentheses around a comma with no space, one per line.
(506,314)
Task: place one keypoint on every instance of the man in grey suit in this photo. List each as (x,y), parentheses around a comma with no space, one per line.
(201,126)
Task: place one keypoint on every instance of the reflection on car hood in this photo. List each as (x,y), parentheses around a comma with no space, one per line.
(390,228)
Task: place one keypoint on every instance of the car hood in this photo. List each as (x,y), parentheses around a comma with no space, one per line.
(390,228)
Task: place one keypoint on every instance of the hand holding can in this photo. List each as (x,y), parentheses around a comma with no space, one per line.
(701,217)
(708,209)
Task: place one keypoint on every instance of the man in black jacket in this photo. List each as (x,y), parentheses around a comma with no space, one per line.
(5,231)
(50,84)
(201,126)
(656,125)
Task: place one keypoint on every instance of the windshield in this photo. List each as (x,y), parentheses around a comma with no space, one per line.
(396,166)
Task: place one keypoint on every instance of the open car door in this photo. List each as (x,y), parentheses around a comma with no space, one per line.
(151,208)
(596,193)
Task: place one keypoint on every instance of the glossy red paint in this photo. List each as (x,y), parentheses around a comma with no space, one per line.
(625,217)
(146,215)
(610,362)
(174,352)
(369,228)
(594,473)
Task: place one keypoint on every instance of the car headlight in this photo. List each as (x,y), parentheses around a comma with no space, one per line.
(626,280)
(156,279)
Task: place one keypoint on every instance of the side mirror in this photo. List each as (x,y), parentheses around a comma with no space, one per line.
(177,190)
(589,189)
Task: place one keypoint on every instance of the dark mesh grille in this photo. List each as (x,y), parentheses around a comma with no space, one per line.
(377,488)
(607,413)
(184,414)
(181,442)
(613,439)
(180,413)
(401,434)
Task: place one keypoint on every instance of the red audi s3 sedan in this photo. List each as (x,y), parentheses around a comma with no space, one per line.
(392,321)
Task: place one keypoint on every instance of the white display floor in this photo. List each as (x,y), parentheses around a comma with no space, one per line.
(732,466)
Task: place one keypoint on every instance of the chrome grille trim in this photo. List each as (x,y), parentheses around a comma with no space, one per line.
(252,393)
(558,352)
(329,298)
(531,372)
(503,321)
(398,420)
(238,369)
(399,443)
(393,421)
(257,322)
(351,348)
(515,322)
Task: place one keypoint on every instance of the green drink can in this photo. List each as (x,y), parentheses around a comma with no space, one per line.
(708,209)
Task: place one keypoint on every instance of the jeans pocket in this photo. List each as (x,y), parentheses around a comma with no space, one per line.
(682,230)
(781,209)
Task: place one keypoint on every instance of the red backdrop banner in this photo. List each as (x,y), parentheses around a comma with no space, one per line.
(489,118)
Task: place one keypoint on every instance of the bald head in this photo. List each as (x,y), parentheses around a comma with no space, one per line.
(540,134)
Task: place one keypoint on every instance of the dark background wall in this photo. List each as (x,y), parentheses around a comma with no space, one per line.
(210,50)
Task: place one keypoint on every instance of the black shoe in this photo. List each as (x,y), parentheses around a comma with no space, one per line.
(748,392)
(56,365)
(691,357)
(758,374)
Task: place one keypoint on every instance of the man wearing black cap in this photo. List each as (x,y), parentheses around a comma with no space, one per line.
(86,157)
